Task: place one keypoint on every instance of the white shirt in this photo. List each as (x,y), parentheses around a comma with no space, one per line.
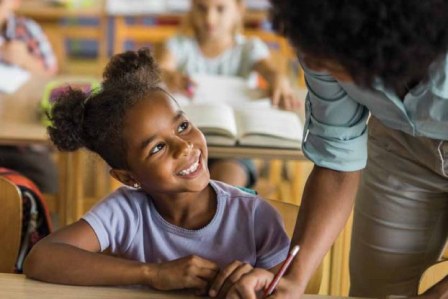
(239,60)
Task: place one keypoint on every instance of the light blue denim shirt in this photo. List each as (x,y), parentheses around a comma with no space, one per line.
(335,134)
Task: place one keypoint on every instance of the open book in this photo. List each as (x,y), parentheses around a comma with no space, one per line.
(246,126)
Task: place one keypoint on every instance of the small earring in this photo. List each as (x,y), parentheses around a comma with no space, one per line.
(136,185)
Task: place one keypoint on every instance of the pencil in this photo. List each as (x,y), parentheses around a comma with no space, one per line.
(282,271)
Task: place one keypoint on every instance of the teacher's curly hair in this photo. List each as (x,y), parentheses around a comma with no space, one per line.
(394,40)
(95,120)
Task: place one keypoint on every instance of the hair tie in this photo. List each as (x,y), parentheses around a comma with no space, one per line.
(93,92)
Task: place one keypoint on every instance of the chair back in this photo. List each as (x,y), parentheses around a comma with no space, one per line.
(289,214)
(10,225)
(140,33)
(433,275)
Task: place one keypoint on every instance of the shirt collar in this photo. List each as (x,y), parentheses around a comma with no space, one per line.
(437,81)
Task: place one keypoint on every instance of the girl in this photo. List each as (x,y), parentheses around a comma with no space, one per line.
(170,227)
(217,48)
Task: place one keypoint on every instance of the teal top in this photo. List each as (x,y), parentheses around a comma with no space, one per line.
(337,113)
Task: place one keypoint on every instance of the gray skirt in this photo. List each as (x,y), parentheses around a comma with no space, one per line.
(401,213)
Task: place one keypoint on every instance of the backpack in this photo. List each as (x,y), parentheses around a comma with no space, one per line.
(36,221)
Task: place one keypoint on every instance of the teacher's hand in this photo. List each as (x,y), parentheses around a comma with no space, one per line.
(227,277)
(253,284)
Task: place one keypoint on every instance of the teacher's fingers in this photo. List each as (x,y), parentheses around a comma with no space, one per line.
(250,284)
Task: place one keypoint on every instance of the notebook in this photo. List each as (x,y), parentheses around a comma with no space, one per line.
(12,77)
(233,91)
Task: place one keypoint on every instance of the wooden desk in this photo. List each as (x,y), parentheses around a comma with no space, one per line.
(255,153)
(20,125)
(17,286)
(19,116)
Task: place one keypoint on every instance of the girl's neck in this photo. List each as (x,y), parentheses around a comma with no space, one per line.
(188,210)
(214,47)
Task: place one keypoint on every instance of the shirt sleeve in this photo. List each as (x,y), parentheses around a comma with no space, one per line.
(335,134)
(257,50)
(272,243)
(177,46)
(114,221)
(39,45)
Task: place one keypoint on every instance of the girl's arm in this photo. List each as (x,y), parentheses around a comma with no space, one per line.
(71,256)
(282,94)
(175,80)
(15,52)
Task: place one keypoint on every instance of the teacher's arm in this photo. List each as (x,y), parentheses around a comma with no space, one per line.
(335,139)
(326,204)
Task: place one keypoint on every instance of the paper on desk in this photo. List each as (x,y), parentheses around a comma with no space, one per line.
(233,91)
(12,77)
(135,7)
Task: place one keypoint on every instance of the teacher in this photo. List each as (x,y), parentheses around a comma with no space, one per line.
(386,59)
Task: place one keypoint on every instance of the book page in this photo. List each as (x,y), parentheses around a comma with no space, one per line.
(270,124)
(213,119)
(12,77)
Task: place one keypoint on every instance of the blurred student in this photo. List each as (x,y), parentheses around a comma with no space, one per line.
(23,43)
(170,226)
(217,48)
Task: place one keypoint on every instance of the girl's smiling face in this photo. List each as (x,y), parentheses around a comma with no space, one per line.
(165,152)
(215,19)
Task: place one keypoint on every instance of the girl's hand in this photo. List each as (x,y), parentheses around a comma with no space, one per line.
(227,277)
(252,286)
(191,272)
(282,94)
(178,82)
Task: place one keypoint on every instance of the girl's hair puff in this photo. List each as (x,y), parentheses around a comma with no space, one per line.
(95,120)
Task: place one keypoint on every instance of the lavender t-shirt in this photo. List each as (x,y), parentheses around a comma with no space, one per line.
(244,228)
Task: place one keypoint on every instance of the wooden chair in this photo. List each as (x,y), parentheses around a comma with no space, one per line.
(10,225)
(433,275)
(77,32)
(289,214)
(139,33)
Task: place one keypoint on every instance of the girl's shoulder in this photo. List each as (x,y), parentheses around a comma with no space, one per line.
(240,196)
(249,41)
(180,41)
(124,197)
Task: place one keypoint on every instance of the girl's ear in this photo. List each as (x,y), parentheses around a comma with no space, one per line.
(123,176)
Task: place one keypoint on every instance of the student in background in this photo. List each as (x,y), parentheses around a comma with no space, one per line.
(217,48)
(387,59)
(23,43)
(170,227)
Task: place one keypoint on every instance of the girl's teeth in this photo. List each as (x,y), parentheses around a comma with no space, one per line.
(193,168)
